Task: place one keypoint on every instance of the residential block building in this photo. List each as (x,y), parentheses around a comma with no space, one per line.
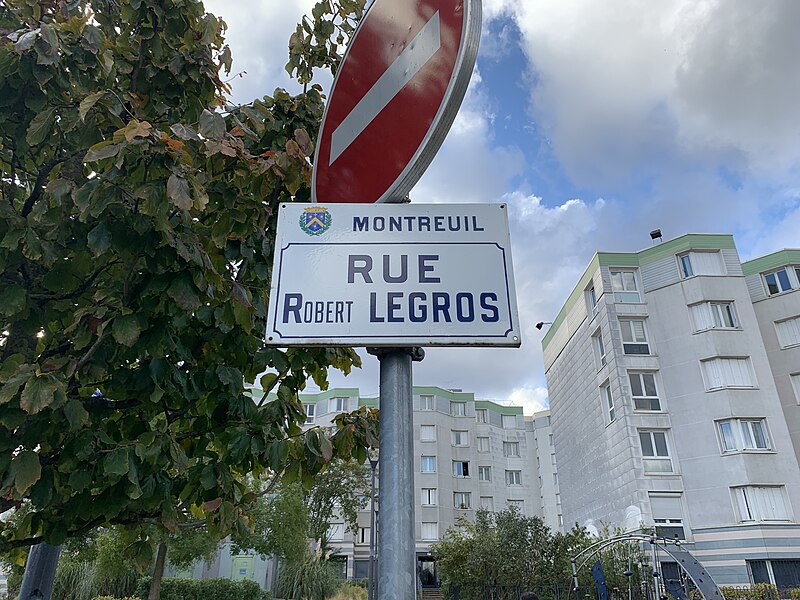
(670,374)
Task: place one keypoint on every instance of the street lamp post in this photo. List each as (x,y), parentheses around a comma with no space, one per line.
(373,463)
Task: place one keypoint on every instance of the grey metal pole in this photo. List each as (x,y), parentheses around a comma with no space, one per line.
(40,571)
(397,544)
(371,576)
(655,569)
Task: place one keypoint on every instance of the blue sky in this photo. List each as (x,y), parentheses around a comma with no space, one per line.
(597,122)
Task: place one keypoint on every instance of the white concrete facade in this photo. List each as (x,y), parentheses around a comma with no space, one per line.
(665,411)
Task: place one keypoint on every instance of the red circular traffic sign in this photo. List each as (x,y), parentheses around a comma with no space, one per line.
(394,98)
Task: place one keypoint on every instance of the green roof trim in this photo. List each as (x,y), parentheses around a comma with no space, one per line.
(690,241)
(498,408)
(432,390)
(774,260)
(371,402)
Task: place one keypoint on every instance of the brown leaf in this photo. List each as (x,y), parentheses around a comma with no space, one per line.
(178,192)
(293,149)
(304,141)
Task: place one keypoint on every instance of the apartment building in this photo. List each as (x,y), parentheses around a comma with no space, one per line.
(665,409)
(468,454)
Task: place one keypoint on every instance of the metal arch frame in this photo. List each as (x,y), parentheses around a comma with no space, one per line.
(655,542)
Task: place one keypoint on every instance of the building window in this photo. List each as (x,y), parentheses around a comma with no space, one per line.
(608,400)
(481,415)
(670,528)
(427,433)
(743,434)
(428,464)
(634,336)
(623,283)
(777,282)
(701,263)
(722,373)
(459,438)
(483,444)
(336,532)
(460,468)
(795,378)
(644,391)
(599,349)
(429,497)
(462,500)
(487,503)
(714,315)
(429,531)
(363,535)
(550,439)
(509,421)
(510,449)
(426,402)
(458,409)
(338,405)
(311,412)
(514,477)
(555,479)
(784,574)
(667,514)
(591,299)
(484,473)
(655,452)
(560,520)
(788,332)
(519,504)
(761,503)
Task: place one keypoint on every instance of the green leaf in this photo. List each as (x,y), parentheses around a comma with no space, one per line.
(178,192)
(116,462)
(99,239)
(26,41)
(79,479)
(268,380)
(183,292)
(40,126)
(102,150)
(126,330)
(212,125)
(88,102)
(12,299)
(76,414)
(184,132)
(39,393)
(26,470)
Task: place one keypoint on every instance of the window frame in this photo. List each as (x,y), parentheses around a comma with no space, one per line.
(592,301)
(511,445)
(429,497)
(621,294)
(334,403)
(749,505)
(480,439)
(427,402)
(481,415)
(487,505)
(513,477)
(310,416)
(684,260)
(709,388)
(462,434)
(427,428)
(504,420)
(777,281)
(781,340)
(645,397)
(633,342)
(458,412)
(461,469)
(599,348)
(520,504)
(607,398)
(435,529)
(484,469)
(462,505)
(794,381)
(655,457)
(422,463)
(741,429)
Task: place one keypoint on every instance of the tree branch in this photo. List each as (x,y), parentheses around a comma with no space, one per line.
(38,187)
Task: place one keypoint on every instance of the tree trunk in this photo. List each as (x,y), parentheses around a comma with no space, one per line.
(40,571)
(158,572)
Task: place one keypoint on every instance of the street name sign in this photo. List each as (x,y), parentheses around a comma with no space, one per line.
(394,97)
(393,275)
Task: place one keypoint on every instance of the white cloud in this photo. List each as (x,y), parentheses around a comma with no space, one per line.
(531,399)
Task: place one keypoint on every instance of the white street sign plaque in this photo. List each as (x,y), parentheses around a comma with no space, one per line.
(393,275)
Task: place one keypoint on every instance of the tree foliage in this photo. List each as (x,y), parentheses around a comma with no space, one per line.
(508,548)
(137,213)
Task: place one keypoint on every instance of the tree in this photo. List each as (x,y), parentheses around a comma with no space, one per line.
(137,212)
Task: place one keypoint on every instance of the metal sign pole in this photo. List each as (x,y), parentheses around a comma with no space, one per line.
(397,544)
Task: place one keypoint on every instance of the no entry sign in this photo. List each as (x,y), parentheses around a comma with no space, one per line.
(393,275)
(395,95)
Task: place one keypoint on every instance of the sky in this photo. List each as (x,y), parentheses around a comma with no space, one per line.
(596,122)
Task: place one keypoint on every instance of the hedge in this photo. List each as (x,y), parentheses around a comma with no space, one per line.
(204,589)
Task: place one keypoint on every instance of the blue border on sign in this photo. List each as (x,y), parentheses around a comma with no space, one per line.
(342,337)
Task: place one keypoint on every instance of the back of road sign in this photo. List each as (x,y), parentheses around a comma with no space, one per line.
(393,275)
(394,98)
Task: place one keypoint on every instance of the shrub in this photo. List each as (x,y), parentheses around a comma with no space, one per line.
(311,578)
(759,591)
(204,589)
(351,591)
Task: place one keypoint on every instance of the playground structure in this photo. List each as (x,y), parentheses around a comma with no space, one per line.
(688,564)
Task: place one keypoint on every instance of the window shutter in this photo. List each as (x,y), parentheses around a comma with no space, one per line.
(788,331)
